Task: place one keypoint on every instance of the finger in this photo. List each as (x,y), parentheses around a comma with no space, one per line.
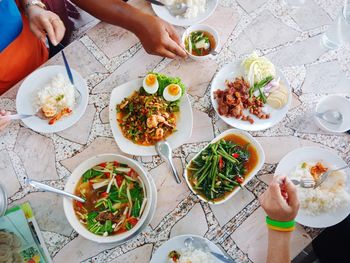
(165,53)
(37,32)
(176,49)
(292,193)
(59,29)
(46,23)
(173,35)
(275,191)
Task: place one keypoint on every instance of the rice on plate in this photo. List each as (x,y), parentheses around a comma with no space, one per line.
(195,7)
(190,255)
(329,196)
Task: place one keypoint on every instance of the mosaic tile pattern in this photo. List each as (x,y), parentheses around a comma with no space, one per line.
(108,56)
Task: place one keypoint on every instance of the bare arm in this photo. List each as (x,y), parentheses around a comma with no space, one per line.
(280,203)
(157,36)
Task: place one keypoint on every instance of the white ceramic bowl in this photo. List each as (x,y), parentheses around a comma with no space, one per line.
(261,160)
(334,102)
(206,28)
(73,181)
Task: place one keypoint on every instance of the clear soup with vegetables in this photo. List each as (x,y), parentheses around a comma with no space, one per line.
(200,43)
(115,199)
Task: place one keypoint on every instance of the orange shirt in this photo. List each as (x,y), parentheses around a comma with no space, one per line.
(21,57)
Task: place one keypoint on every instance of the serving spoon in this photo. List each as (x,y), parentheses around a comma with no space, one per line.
(47,188)
(330,116)
(163,148)
(176,9)
(197,243)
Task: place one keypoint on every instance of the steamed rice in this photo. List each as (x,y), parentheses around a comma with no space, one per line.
(328,197)
(195,7)
(190,255)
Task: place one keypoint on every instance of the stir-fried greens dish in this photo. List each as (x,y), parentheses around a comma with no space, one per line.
(221,167)
(200,43)
(150,114)
(115,199)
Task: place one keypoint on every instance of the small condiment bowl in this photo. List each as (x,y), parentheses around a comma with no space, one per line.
(73,181)
(261,159)
(338,103)
(201,27)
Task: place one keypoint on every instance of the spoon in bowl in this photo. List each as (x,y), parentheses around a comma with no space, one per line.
(175,10)
(164,150)
(47,188)
(330,116)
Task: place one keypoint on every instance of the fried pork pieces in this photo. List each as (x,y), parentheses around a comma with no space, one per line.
(235,98)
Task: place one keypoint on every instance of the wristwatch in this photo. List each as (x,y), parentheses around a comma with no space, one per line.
(34,3)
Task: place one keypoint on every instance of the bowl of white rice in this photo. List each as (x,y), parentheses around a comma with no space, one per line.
(329,203)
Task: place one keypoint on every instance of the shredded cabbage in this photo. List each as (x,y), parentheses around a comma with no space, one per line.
(258,68)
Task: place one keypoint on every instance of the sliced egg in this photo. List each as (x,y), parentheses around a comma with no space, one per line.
(172,92)
(150,83)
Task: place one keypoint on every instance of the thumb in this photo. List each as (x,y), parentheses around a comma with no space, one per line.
(292,193)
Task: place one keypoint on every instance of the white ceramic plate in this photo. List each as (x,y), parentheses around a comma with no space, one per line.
(25,101)
(164,14)
(261,160)
(177,243)
(73,181)
(183,124)
(314,154)
(230,72)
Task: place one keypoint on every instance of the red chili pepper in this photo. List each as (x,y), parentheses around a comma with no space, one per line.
(104,194)
(116,163)
(90,182)
(107,174)
(78,204)
(221,162)
(102,165)
(131,172)
(239,179)
(121,230)
(133,221)
(119,179)
(235,155)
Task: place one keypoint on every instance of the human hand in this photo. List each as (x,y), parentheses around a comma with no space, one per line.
(4,121)
(159,37)
(42,21)
(280,200)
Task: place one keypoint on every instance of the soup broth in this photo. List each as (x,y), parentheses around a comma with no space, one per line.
(200,43)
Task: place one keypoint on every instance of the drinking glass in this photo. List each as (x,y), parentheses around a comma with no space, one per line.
(338,33)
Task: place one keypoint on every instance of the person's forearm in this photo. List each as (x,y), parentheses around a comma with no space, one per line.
(114,12)
(279,247)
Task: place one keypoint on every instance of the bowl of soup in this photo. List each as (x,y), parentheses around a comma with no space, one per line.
(117,194)
(224,166)
(201,42)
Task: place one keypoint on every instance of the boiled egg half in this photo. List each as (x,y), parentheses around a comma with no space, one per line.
(150,84)
(172,92)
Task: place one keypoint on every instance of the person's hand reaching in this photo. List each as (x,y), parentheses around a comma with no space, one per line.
(280,200)
(159,38)
(44,22)
(4,121)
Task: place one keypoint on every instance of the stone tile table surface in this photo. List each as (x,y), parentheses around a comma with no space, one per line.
(108,56)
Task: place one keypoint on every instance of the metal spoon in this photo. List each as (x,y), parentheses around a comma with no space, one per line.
(175,10)
(47,188)
(200,244)
(163,148)
(330,116)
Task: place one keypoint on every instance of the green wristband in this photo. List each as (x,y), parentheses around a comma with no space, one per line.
(280,224)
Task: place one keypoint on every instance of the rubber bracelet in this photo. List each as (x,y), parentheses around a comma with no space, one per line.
(281,229)
(280,224)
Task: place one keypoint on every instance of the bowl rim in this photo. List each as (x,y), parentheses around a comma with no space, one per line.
(72,183)
(203,27)
(261,161)
(318,121)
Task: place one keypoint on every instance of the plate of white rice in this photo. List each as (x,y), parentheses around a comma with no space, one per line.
(328,204)
(197,11)
(49,84)
(187,254)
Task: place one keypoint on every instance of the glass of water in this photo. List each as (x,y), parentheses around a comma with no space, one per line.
(338,33)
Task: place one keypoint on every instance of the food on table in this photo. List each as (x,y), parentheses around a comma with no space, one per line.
(190,255)
(115,199)
(56,99)
(10,246)
(329,196)
(200,43)
(146,118)
(195,7)
(249,94)
(150,83)
(221,167)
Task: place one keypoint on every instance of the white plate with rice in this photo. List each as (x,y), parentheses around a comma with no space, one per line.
(198,11)
(51,82)
(188,255)
(328,204)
